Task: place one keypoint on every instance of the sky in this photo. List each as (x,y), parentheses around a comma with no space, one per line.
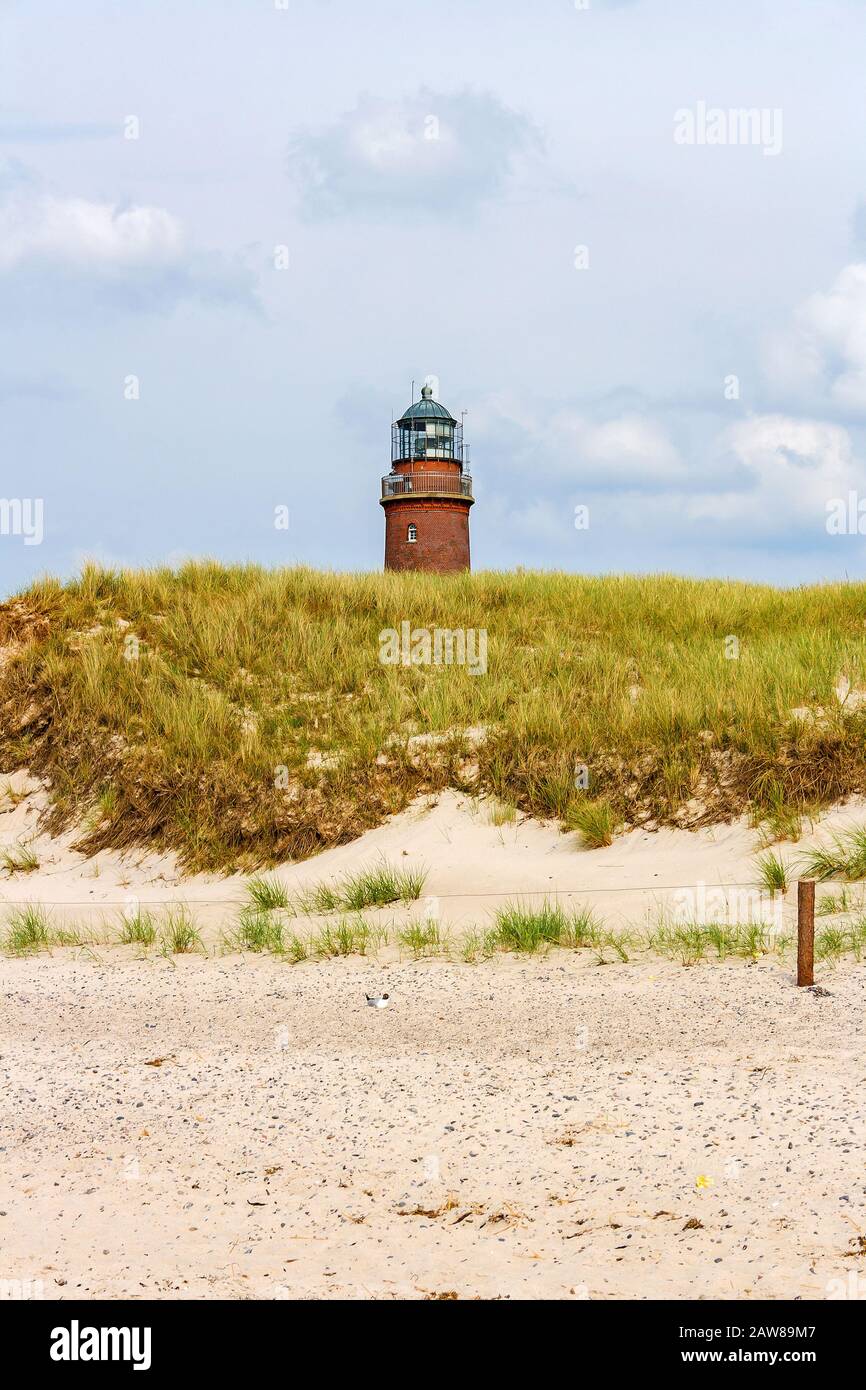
(233,232)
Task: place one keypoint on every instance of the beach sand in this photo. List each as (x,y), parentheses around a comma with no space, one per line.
(570,1131)
(237,1127)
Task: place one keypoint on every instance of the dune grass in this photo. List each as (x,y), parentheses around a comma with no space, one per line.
(20,859)
(596,823)
(476,944)
(690,942)
(773,815)
(348,937)
(258,930)
(381,885)
(318,899)
(178,933)
(521,927)
(845,858)
(501,813)
(517,928)
(423,939)
(27,931)
(258,724)
(378,885)
(833,904)
(772,873)
(137,928)
(268,893)
(173,930)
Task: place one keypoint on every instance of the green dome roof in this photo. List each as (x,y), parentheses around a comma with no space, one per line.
(426,409)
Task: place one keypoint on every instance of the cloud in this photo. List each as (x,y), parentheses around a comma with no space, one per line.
(790,467)
(137,254)
(765,480)
(628,449)
(779,474)
(86,235)
(824,353)
(431,153)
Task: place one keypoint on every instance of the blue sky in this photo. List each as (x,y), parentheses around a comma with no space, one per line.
(429,172)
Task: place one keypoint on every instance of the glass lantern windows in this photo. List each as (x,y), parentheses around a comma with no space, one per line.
(426,439)
(435,439)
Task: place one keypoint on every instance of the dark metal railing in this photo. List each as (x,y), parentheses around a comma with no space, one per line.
(449,484)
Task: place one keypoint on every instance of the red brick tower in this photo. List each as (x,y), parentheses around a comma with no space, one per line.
(427,495)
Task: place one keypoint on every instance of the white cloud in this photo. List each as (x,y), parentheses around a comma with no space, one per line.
(435,153)
(783,471)
(40,227)
(766,478)
(825,350)
(66,251)
(793,467)
(628,450)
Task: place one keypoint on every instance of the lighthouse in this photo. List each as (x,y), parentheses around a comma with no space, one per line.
(427,494)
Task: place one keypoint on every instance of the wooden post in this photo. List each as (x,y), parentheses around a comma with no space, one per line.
(806,932)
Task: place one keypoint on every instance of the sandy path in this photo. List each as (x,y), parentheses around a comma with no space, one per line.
(272,1153)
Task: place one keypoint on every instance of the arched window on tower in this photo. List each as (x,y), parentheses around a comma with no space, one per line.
(412,533)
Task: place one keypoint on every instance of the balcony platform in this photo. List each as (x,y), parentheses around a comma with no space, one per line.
(423,484)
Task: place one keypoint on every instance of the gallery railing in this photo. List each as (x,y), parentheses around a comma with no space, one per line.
(446,484)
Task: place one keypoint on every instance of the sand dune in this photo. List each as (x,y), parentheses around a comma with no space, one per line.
(473,866)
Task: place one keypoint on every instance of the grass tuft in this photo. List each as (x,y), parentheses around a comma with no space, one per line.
(595,821)
(19,860)
(178,933)
(422,938)
(346,938)
(381,885)
(27,931)
(844,858)
(477,945)
(772,873)
(832,904)
(296,949)
(258,930)
(317,900)
(377,886)
(267,893)
(582,928)
(523,928)
(137,928)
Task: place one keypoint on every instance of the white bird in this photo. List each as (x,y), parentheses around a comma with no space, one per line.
(377,1001)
